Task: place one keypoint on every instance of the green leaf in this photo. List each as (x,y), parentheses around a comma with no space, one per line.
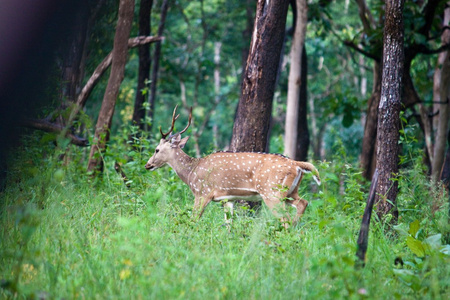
(414,228)
(400,228)
(415,246)
(445,249)
(434,241)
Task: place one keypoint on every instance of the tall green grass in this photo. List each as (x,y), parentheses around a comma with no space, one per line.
(65,235)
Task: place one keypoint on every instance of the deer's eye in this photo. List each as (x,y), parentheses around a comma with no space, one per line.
(157,150)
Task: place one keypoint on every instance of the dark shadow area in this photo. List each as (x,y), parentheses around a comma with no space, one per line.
(31,35)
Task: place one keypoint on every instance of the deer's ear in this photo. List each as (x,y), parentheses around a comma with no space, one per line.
(183,142)
(174,140)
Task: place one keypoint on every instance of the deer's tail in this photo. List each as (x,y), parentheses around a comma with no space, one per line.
(307,167)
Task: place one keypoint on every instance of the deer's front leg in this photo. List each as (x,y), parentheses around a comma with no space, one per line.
(199,206)
(228,210)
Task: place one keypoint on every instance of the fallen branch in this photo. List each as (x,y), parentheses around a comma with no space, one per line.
(47,126)
(101,69)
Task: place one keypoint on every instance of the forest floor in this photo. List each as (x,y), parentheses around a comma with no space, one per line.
(64,235)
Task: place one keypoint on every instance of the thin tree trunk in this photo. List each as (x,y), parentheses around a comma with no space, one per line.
(156,58)
(444,110)
(247,33)
(217,96)
(101,69)
(252,122)
(363,238)
(389,109)
(119,59)
(441,136)
(303,141)
(370,130)
(295,79)
(144,64)
(445,38)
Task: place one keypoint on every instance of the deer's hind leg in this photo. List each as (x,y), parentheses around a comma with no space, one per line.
(278,208)
(297,202)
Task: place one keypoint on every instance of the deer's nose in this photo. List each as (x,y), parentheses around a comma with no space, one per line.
(148,166)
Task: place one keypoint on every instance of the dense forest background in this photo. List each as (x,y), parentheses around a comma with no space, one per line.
(88,83)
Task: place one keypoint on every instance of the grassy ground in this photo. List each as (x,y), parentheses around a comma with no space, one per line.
(62,236)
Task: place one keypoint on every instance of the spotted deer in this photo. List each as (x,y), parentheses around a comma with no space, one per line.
(229,176)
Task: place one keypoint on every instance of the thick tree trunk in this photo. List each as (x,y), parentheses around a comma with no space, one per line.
(295,80)
(72,67)
(119,59)
(144,64)
(252,122)
(156,58)
(389,109)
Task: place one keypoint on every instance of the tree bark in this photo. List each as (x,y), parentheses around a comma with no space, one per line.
(144,64)
(119,59)
(252,121)
(156,58)
(389,109)
(295,80)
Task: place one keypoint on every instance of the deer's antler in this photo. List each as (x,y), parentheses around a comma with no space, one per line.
(174,118)
(189,122)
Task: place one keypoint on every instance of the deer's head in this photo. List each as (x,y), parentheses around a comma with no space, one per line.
(168,145)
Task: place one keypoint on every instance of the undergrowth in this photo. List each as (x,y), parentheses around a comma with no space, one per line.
(65,235)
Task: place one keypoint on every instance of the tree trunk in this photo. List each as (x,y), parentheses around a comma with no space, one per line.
(295,80)
(303,142)
(252,121)
(144,64)
(445,38)
(441,135)
(389,109)
(101,69)
(72,66)
(444,110)
(119,59)
(247,33)
(217,96)
(156,58)
(368,157)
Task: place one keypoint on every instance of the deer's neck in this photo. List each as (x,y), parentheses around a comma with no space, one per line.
(183,164)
